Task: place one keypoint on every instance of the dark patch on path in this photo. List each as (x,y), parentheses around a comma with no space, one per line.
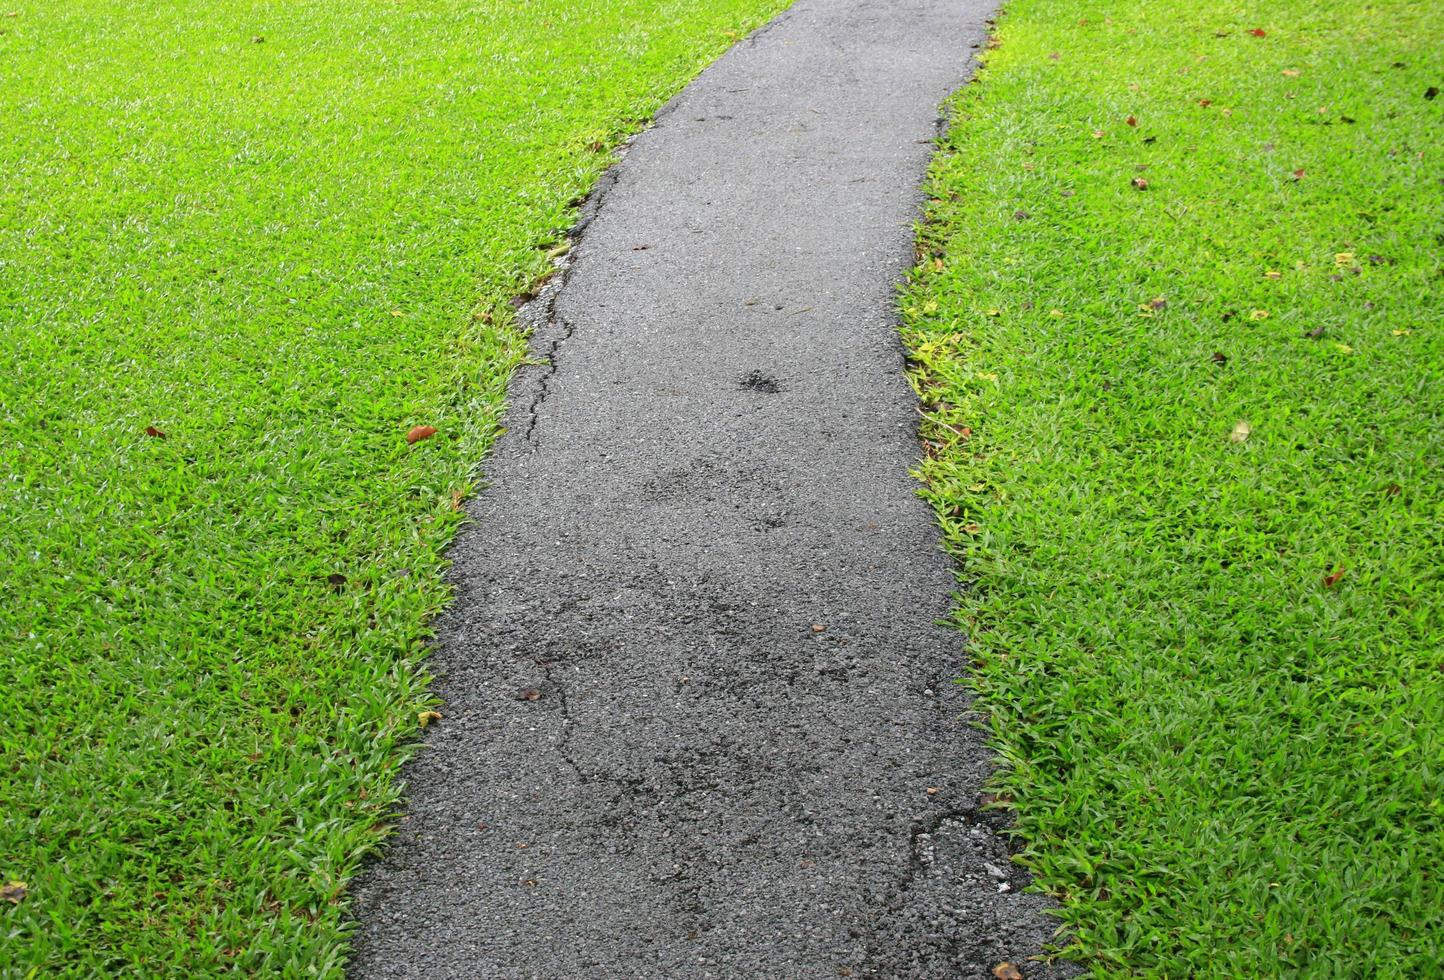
(699,720)
(759,382)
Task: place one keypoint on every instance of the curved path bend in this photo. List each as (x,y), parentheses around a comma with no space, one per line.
(699,720)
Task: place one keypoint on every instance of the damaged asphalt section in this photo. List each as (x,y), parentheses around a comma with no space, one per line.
(699,717)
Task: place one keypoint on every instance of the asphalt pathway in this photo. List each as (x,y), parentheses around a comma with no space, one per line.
(699,719)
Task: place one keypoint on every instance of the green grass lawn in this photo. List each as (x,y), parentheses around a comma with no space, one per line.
(1179,327)
(274,236)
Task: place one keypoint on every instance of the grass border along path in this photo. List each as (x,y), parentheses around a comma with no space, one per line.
(1178,331)
(245,249)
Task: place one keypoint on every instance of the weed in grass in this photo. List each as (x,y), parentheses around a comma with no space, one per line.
(244,250)
(1186,429)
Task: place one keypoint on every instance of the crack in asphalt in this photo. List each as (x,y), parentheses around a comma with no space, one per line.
(563,330)
(920,839)
(564,740)
(539,311)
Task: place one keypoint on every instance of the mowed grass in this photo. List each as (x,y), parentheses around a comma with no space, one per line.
(1186,438)
(278,236)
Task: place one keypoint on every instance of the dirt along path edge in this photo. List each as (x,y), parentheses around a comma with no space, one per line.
(699,718)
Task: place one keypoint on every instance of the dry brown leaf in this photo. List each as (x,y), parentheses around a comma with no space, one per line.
(1007,971)
(14,892)
(1332,579)
(420,432)
(1241,431)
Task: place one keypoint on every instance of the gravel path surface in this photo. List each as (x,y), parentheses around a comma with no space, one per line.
(699,720)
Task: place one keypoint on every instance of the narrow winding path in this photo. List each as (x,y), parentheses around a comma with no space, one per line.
(699,720)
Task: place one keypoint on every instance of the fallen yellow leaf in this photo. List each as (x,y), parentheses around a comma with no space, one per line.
(425,718)
(1259,315)
(1241,432)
